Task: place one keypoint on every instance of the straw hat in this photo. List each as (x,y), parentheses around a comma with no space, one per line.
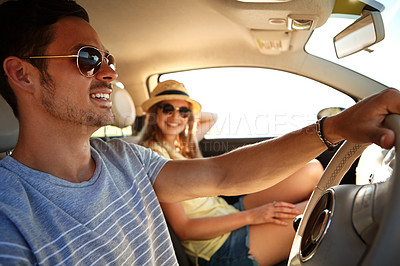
(170,90)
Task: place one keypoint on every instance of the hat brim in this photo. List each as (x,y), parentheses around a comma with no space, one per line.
(196,107)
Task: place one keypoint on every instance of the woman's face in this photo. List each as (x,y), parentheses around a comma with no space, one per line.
(172,124)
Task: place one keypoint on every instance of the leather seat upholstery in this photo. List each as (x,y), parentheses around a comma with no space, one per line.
(9,128)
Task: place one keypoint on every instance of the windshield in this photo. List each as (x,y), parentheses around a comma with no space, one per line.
(381,64)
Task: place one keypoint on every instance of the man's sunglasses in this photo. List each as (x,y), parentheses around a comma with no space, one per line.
(88,60)
(168,109)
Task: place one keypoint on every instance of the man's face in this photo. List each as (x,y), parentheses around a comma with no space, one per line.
(66,94)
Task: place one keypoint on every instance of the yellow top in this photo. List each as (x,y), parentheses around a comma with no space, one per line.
(196,208)
(206,207)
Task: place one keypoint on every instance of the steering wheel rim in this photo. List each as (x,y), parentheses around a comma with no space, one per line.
(384,250)
(333,174)
(336,169)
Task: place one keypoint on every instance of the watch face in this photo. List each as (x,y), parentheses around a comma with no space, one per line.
(329,111)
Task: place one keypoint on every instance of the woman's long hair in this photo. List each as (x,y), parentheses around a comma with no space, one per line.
(186,143)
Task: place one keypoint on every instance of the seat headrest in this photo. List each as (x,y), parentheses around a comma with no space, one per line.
(9,127)
(122,107)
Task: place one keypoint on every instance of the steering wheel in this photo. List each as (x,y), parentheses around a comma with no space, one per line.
(337,216)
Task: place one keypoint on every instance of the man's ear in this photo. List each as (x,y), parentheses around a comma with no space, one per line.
(20,73)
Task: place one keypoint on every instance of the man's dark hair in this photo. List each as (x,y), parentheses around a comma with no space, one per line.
(26,30)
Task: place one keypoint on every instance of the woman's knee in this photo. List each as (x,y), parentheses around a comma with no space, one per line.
(314,171)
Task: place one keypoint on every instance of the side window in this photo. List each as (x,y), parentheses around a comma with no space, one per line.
(257,102)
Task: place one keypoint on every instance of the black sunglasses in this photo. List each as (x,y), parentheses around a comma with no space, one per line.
(169,109)
(88,60)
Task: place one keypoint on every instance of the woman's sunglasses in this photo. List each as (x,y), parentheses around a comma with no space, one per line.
(88,60)
(168,109)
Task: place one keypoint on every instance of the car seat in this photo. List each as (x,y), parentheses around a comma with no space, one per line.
(124,111)
(9,129)
(183,259)
(123,107)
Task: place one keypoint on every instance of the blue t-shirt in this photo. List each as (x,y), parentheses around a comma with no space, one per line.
(114,218)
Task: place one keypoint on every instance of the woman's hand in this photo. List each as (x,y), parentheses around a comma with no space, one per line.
(205,121)
(275,212)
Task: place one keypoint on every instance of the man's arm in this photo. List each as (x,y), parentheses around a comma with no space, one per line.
(256,167)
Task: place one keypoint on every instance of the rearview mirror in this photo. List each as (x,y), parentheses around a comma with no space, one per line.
(363,33)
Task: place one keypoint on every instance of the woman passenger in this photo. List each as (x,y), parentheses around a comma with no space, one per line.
(257,230)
